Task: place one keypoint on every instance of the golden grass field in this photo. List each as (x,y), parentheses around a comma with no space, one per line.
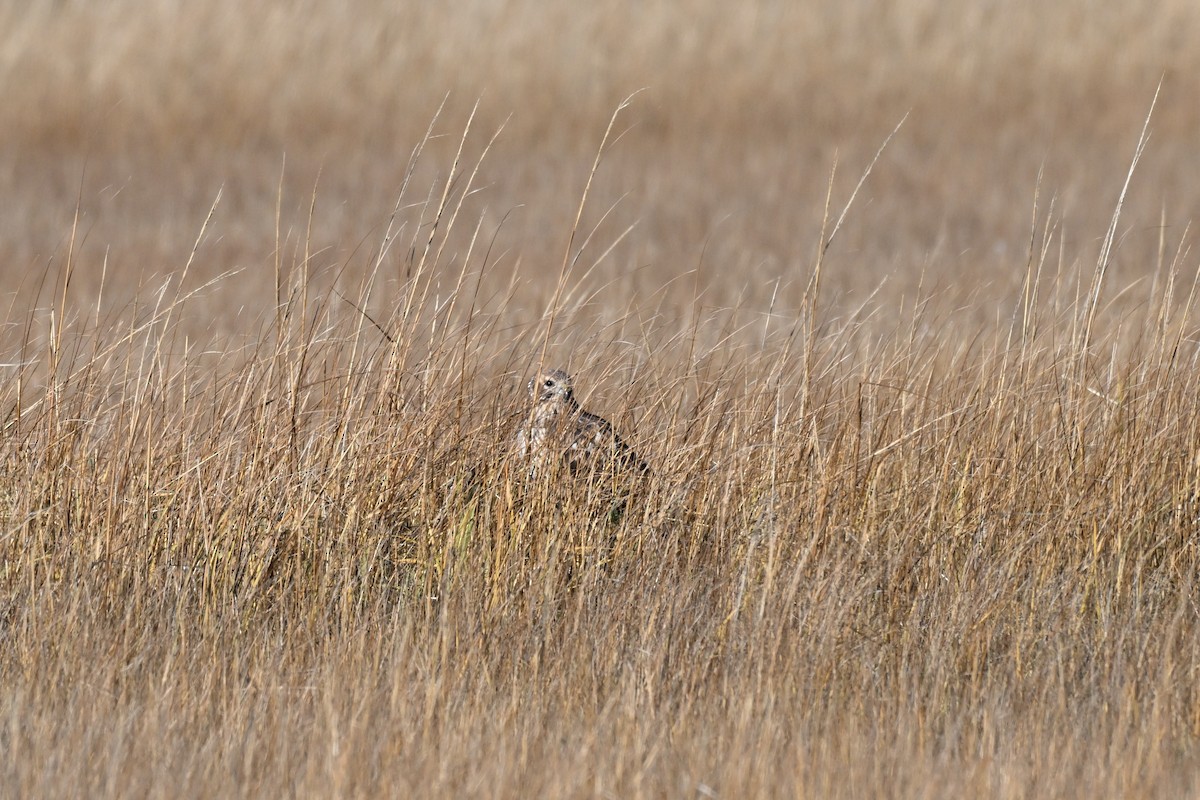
(924,428)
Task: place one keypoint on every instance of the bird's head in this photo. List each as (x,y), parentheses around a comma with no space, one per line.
(552,386)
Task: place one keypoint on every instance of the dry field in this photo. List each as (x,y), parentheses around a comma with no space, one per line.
(924,428)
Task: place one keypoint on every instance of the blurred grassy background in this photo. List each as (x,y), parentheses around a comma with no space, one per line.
(742,113)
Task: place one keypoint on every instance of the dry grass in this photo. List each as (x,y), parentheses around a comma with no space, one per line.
(924,508)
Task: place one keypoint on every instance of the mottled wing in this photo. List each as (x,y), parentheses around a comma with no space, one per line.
(595,445)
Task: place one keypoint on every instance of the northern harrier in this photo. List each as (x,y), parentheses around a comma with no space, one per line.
(558,429)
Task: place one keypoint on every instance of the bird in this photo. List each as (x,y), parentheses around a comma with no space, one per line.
(558,431)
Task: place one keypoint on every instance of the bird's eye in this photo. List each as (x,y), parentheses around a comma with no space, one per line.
(548,383)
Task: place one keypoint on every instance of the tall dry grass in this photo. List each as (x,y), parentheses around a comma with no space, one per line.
(923,512)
